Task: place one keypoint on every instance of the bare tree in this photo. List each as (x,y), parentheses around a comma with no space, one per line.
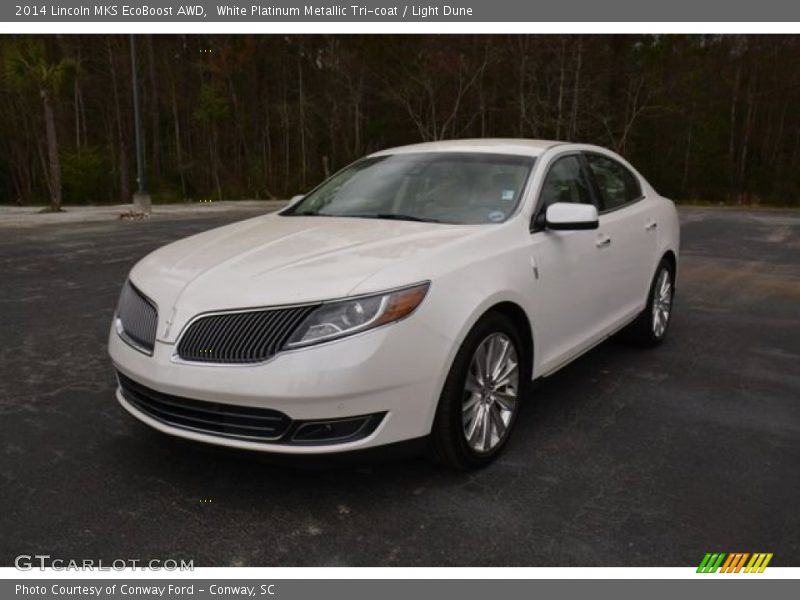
(28,66)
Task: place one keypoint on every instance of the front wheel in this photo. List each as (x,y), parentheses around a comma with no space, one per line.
(481,396)
(650,327)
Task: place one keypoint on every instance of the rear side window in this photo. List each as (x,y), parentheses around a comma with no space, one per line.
(565,182)
(617,185)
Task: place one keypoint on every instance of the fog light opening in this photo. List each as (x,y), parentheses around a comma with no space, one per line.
(335,430)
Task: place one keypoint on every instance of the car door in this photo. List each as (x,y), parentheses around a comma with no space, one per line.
(568,266)
(627,221)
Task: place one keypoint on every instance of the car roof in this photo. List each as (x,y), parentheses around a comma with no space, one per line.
(490,146)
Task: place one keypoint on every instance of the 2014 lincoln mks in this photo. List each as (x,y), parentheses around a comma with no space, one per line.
(412,297)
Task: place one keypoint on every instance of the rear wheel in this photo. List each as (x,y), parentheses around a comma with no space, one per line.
(650,327)
(481,396)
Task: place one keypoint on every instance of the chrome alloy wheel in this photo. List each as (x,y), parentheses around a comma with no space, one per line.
(662,303)
(490,393)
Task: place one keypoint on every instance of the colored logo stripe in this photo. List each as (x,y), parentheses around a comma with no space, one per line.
(711,563)
(734,562)
(758,563)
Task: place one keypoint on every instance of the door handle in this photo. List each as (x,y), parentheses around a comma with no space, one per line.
(603,242)
(650,226)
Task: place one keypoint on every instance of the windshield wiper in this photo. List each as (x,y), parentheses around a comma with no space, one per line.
(395,217)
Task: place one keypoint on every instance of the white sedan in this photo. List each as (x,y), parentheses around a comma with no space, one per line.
(407,301)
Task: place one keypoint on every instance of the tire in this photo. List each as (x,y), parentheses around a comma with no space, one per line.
(461,410)
(645,331)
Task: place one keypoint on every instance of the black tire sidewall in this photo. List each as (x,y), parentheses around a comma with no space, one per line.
(448,428)
(663,266)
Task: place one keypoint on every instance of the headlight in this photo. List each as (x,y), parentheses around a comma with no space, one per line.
(342,318)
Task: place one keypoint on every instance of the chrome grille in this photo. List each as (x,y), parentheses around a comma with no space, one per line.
(137,318)
(228,420)
(240,337)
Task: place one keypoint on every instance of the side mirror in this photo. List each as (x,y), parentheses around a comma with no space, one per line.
(295,199)
(568,216)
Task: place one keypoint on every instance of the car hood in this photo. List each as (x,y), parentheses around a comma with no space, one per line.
(274,260)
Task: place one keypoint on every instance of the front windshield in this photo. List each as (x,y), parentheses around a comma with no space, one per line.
(458,188)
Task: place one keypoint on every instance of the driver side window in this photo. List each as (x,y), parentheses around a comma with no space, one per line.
(565,182)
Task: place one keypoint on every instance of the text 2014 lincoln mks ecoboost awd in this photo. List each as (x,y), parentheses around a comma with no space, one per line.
(412,297)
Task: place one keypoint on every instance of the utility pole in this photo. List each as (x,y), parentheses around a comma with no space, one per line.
(141,199)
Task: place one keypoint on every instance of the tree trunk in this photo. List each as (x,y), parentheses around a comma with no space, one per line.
(76,88)
(286,139)
(52,152)
(178,153)
(741,187)
(76,100)
(688,154)
(152,97)
(521,91)
(302,101)
(357,124)
(732,127)
(561,78)
(268,170)
(124,175)
(573,125)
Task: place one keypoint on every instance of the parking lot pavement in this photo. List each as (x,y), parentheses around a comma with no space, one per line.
(626,457)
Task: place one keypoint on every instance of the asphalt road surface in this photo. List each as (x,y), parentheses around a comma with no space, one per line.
(625,458)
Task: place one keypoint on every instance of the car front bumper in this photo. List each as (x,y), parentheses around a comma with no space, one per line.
(395,371)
